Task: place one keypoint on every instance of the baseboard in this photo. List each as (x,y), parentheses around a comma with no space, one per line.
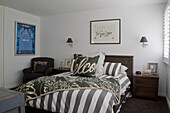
(168,102)
(162,94)
(12,85)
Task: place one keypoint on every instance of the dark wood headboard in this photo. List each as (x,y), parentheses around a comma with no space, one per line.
(124,60)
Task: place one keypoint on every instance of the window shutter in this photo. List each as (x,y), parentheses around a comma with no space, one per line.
(167,35)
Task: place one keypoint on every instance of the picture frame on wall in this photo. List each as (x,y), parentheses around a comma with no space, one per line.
(67,63)
(105,31)
(153,67)
(25,36)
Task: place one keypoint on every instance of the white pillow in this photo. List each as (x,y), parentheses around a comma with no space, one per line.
(112,69)
(72,65)
(123,69)
(99,67)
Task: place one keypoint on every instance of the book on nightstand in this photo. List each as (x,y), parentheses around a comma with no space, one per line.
(146,74)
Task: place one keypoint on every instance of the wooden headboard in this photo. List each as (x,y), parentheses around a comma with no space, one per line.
(124,60)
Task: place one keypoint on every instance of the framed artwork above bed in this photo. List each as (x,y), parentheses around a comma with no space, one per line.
(105,31)
(24,38)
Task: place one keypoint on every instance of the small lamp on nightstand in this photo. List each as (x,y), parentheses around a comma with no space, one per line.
(144,41)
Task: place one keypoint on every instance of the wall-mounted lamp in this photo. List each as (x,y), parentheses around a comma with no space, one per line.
(144,41)
(70,42)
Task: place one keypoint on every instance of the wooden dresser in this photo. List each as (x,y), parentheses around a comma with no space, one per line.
(11,101)
(145,86)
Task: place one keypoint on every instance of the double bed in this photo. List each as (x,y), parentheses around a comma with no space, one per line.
(100,97)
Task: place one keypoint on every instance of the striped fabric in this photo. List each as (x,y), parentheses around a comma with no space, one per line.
(123,80)
(78,101)
(111,69)
(75,101)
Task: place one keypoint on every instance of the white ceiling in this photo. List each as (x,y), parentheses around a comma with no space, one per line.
(53,7)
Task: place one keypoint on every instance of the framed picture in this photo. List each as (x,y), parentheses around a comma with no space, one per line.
(68,62)
(105,31)
(153,67)
(24,39)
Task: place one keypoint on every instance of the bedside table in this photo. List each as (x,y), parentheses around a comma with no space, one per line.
(11,101)
(60,70)
(145,86)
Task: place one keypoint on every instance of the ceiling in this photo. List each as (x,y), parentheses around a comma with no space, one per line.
(53,7)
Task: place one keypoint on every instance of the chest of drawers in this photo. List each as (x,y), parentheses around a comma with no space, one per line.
(145,86)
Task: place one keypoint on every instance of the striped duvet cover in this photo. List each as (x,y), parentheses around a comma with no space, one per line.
(81,100)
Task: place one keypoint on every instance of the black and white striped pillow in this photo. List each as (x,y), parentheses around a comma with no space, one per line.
(111,69)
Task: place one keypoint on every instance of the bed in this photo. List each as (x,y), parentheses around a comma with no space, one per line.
(127,61)
(46,101)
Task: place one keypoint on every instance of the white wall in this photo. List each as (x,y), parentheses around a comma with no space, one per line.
(135,23)
(13,65)
(1,46)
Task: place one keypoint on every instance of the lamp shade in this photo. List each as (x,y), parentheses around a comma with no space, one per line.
(69,40)
(143,39)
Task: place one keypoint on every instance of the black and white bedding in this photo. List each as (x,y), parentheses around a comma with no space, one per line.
(80,100)
(76,101)
(92,86)
(123,80)
(122,77)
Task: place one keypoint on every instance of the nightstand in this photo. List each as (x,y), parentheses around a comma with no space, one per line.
(60,70)
(145,86)
(11,101)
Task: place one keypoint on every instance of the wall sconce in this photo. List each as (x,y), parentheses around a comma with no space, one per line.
(70,42)
(144,41)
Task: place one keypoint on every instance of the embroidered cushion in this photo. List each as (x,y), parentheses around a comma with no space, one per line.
(85,66)
(99,67)
(39,66)
(111,69)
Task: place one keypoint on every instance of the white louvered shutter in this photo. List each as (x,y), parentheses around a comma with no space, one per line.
(167,35)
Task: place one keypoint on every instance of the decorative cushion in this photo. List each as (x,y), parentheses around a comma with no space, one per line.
(99,67)
(85,66)
(123,69)
(39,66)
(112,69)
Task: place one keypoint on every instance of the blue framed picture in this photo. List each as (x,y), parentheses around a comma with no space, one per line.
(24,39)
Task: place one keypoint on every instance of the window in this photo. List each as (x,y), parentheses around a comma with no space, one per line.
(167,35)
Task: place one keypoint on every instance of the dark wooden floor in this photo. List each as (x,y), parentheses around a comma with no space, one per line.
(140,105)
